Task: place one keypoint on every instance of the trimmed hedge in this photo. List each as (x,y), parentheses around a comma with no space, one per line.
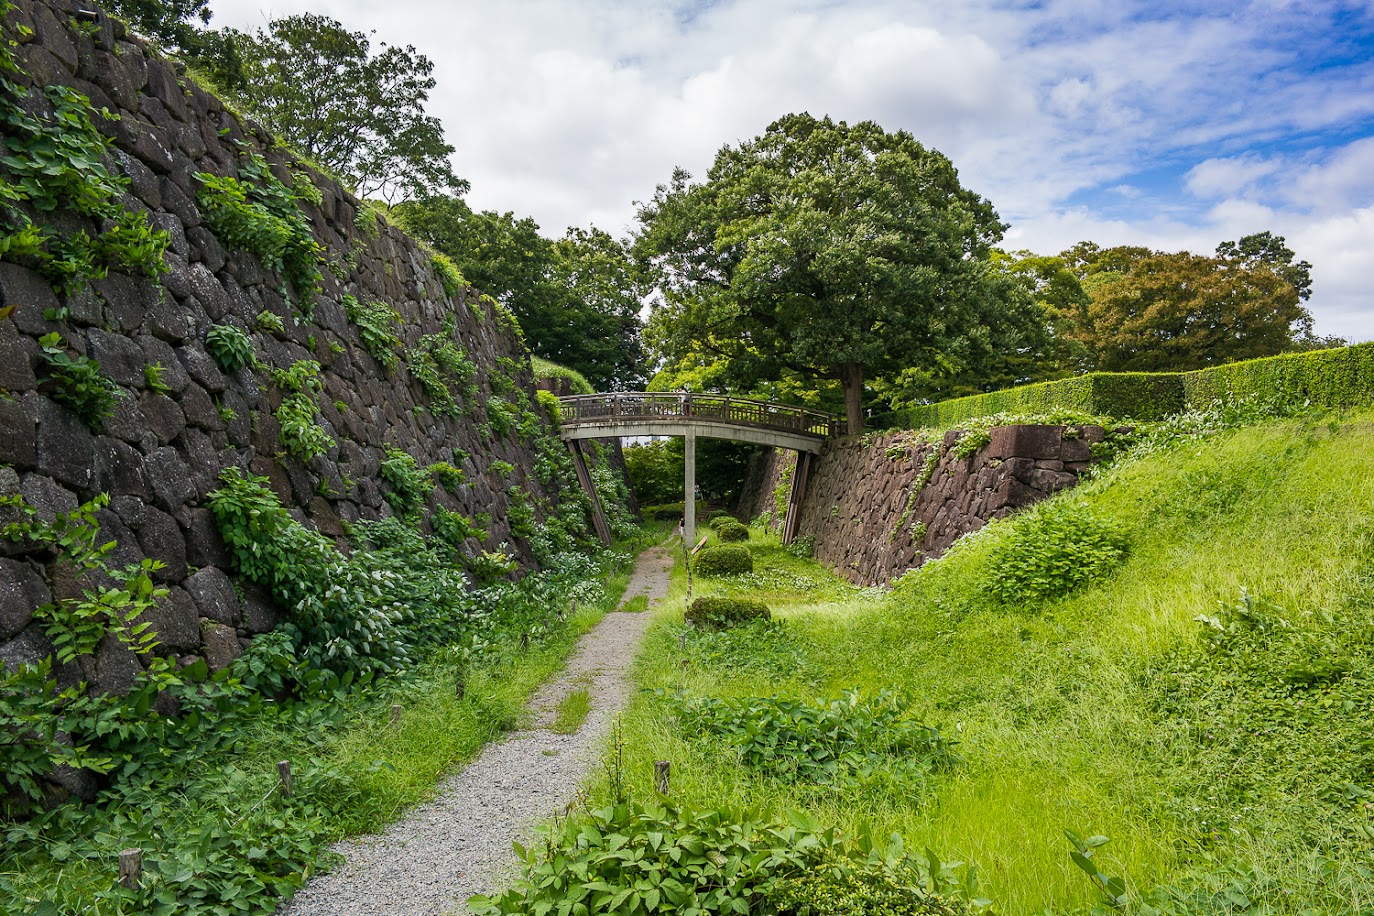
(1324,378)
(726,560)
(1343,377)
(719,613)
(716,515)
(732,531)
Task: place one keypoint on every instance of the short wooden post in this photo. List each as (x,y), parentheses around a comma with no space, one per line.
(284,777)
(131,868)
(662,770)
(682,642)
(395,715)
(524,641)
(462,688)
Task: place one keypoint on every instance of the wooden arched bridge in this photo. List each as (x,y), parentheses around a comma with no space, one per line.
(636,413)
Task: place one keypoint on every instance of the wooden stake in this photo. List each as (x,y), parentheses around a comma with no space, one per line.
(395,715)
(131,868)
(462,688)
(662,769)
(682,641)
(284,776)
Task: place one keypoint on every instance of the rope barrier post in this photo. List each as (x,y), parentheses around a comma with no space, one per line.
(131,868)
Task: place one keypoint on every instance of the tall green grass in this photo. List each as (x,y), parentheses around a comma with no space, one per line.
(1096,711)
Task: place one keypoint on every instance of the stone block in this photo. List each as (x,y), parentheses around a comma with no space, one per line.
(120,469)
(120,358)
(66,447)
(1077,450)
(220,644)
(259,613)
(160,353)
(46,497)
(170,479)
(22,589)
(204,546)
(116,667)
(30,647)
(1025,441)
(201,367)
(31,293)
(214,595)
(176,621)
(126,421)
(18,444)
(16,359)
(160,537)
(163,417)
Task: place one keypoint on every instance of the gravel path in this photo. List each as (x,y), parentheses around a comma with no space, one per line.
(459,844)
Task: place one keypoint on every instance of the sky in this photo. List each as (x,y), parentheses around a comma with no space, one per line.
(1166,124)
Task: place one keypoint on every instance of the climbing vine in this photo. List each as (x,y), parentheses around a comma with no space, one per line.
(56,162)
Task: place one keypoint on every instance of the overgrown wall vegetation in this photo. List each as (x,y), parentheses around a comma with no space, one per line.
(1337,378)
(225,313)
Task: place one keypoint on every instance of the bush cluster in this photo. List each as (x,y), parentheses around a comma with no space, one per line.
(731,531)
(726,560)
(716,612)
(1054,549)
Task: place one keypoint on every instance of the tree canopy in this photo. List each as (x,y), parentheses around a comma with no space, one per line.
(834,251)
(319,88)
(577,298)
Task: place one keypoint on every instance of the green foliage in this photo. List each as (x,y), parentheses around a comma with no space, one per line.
(731,531)
(1112,888)
(56,164)
(572,712)
(409,485)
(635,859)
(152,379)
(1339,378)
(491,565)
(547,370)
(268,320)
(803,547)
(450,277)
(454,528)
(655,472)
(376,323)
(320,89)
(728,560)
(445,373)
(1053,550)
(823,741)
(257,213)
(448,476)
(78,383)
(761,264)
(231,348)
(716,612)
(299,432)
(877,886)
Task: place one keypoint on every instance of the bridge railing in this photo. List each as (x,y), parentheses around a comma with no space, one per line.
(635,405)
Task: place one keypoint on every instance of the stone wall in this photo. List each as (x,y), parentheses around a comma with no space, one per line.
(880,505)
(162,451)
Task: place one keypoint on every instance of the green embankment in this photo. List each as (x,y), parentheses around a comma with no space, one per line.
(1204,699)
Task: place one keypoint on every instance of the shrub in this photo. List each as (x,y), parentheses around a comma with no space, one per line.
(544,369)
(1337,378)
(376,323)
(1053,550)
(730,560)
(721,613)
(732,531)
(230,347)
(407,482)
(716,515)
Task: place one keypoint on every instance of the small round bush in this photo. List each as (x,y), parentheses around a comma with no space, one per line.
(716,515)
(719,613)
(727,560)
(732,531)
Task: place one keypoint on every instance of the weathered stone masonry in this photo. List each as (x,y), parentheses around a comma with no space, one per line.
(160,454)
(880,505)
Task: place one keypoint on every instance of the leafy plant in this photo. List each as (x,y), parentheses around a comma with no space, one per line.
(230,347)
(454,528)
(78,383)
(270,321)
(408,483)
(152,378)
(448,476)
(376,323)
(299,433)
(258,213)
(721,613)
(440,367)
(1114,889)
(821,741)
(1054,550)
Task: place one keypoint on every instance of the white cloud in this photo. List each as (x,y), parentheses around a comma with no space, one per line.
(1226,176)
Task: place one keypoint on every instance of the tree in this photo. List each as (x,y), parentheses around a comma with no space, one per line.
(179,27)
(836,251)
(577,299)
(1265,249)
(319,88)
(1156,311)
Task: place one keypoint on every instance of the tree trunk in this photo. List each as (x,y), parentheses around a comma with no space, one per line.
(853,382)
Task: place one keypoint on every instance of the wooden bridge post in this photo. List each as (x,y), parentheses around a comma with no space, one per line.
(689,498)
(800,476)
(584,477)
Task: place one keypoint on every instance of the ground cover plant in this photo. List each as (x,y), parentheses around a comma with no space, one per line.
(1162,710)
(198,793)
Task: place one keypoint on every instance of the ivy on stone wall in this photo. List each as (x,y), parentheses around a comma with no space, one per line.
(53,162)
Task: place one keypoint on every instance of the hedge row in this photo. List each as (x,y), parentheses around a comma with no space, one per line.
(1337,378)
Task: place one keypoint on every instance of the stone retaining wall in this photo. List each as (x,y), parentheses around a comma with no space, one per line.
(161,452)
(880,505)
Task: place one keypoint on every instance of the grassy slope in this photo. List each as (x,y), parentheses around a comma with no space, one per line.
(1091,712)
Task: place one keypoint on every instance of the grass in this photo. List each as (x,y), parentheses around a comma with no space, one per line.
(572,711)
(355,772)
(636,605)
(1109,710)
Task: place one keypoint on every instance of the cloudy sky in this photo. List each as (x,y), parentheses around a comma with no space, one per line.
(1168,124)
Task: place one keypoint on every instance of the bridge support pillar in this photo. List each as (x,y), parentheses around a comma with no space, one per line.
(689,492)
(584,477)
(800,477)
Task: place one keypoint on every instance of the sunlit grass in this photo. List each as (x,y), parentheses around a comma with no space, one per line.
(1051,701)
(572,711)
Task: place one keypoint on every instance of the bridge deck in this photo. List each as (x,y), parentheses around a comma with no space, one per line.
(677,413)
